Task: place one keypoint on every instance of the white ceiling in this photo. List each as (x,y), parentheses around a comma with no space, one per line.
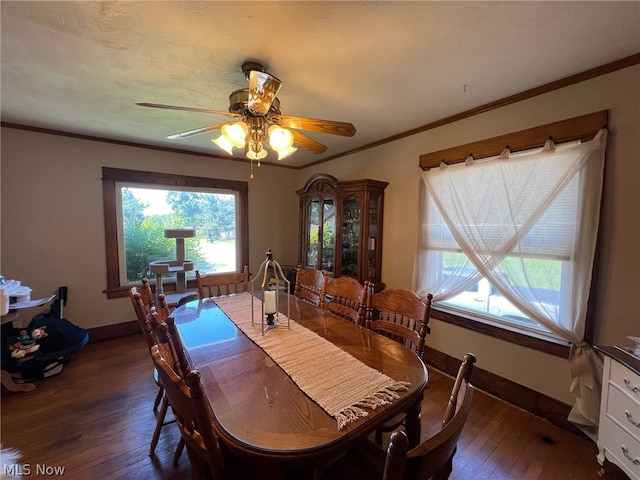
(387,67)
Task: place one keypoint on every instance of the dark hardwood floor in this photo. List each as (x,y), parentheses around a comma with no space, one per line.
(95,420)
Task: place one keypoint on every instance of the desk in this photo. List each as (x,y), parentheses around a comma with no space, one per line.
(262,414)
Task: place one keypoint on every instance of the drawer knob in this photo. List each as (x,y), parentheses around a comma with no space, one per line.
(625,451)
(627,383)
(630,419)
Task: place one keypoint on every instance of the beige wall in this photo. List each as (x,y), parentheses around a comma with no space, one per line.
(52,219)
(619,278)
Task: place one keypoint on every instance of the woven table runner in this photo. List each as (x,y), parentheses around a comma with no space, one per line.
(340,383)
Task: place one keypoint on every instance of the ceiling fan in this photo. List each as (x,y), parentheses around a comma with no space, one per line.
(258,122)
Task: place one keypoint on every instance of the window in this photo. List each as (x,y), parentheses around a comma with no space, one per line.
(507,242)
(536,268)
(144,214)
(139,206)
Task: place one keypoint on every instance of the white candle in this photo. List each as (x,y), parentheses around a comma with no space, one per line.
(269,301)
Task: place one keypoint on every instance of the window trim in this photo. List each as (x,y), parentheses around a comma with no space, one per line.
(583,128)
(507,335)
(112,176)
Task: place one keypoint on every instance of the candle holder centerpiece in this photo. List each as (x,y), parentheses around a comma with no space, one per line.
(273,280)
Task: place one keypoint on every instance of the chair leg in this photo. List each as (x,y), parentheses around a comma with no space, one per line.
(196,466)
(178,452)
(158,399)
(159,424)
(378,437)
(445,471)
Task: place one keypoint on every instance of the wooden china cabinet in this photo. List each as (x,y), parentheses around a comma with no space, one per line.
(341,227)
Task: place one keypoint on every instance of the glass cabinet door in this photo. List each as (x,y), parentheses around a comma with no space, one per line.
(328,235)
(313,241)
(320,241)
(372,238)
(350,236)
(341,227)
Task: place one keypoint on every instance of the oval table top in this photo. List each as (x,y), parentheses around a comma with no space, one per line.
(260,412)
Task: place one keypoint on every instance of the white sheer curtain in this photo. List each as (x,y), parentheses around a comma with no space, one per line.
(535,204)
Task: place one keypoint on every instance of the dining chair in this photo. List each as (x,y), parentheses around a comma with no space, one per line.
(164,311)
(219,284)
(142,302)
(167,333)
(191,409)
(431,459)
(404,317)
(143,321)
(310,285)
(346,297)
(400,315)
(146,323)
(172,350)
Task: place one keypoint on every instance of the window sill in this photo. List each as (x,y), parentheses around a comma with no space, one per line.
(168,287)
(545,346)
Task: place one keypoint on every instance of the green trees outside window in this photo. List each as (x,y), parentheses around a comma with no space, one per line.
(213,215)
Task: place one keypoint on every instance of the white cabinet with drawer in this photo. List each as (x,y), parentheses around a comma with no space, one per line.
(619,430)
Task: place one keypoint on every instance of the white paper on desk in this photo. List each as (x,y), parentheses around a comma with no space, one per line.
(31,303)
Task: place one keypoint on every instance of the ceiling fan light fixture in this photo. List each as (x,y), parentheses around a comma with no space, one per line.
(285,153)
(280,138)
(235,133)
(254,151)
(224,144)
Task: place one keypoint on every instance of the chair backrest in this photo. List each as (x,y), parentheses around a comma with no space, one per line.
(193,416)
(346,297)
(400,315)
(218,284)
(310,285)
(162,307)
(433,458)
(166,332)
(142,315)
(147,293)
(142,299)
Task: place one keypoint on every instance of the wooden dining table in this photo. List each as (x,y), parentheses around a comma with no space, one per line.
(262,415)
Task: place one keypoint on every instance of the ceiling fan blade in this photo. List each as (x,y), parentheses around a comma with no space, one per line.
(198,131)
(188,109)
(263,89)
(316,125)
(307,143)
